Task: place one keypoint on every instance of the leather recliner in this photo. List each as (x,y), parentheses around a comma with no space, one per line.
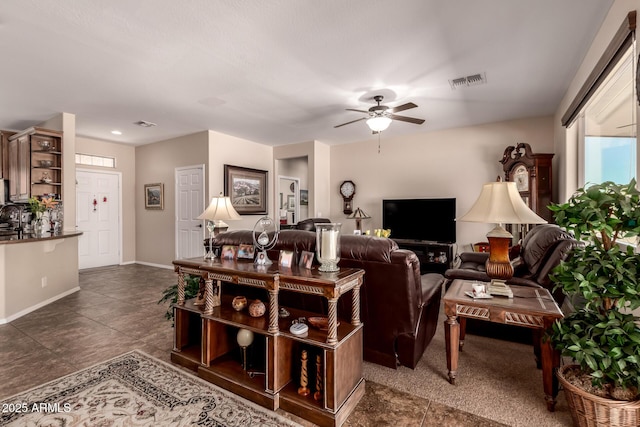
(542,249)
(309,224)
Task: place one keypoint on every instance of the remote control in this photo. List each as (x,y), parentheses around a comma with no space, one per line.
(299,329)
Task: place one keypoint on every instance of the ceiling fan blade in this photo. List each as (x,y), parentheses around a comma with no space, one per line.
(357,111)
(406,119)
(402,107)
(352,121)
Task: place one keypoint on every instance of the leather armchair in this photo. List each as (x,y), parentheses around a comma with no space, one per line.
(542,250)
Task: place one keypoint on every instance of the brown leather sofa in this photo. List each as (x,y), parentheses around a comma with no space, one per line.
(541,251)
(399,308)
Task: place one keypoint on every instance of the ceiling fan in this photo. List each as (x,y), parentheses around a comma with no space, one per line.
(380,116)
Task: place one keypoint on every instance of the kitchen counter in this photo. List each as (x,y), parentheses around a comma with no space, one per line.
(35,271)
(13,237)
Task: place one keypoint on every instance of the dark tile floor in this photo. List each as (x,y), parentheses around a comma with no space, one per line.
(116,311)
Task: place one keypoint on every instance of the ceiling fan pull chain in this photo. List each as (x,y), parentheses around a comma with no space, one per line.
(379,142)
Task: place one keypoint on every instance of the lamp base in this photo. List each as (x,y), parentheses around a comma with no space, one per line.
(500,288)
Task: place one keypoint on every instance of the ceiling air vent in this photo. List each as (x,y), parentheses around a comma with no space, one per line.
(144,124)
(473,80)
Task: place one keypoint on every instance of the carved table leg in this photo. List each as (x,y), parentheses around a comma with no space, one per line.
(332,333)
(208,308)
(180,288)
(452,338)
(273,311)
(550,362)
(355,304)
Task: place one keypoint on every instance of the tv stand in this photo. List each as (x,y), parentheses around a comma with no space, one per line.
(434,257)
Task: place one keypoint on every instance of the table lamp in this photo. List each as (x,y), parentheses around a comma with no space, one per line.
(500,203)
(359,215)
(219,209)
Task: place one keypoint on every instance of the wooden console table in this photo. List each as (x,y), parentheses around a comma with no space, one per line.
(530,307)
(205,338)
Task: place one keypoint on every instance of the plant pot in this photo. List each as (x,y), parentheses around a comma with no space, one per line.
(588,410)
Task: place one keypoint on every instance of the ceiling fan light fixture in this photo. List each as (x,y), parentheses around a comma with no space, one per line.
(378,123)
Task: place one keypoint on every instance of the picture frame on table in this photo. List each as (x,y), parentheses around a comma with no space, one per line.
(285,259)
(228,253)
(154,196)
(306,259)
(247,189)
(246,251)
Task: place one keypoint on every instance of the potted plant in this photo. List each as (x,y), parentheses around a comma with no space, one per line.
(191,288)
(602,335)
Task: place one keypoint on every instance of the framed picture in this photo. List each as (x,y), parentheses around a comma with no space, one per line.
(246,251)
(285,259)
(291,202)
(154,196)
(247,189)
(228,252)
(304,197)
(306,259)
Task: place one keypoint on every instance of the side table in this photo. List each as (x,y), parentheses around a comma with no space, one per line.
(530,307)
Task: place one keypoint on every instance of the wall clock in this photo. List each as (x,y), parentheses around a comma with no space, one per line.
(347,191)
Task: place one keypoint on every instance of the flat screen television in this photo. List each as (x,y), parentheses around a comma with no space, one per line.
(432,220)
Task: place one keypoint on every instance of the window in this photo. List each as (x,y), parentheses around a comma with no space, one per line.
(86,159)
(607,140)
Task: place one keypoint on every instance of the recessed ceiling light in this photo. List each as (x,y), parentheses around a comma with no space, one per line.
(116,132)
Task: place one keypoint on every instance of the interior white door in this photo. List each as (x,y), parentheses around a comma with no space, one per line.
(189,204)
(97,211)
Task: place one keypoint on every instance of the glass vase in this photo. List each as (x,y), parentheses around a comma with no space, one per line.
(328,246)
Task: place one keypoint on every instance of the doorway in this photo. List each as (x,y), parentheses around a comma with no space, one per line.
(189,205)
(289,199)
(98,202)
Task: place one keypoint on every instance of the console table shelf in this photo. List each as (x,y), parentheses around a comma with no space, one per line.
(205,339)
(430,254)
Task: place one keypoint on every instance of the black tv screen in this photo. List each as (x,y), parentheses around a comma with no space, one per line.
(432,220)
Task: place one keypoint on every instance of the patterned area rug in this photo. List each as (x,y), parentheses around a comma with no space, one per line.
(134,389)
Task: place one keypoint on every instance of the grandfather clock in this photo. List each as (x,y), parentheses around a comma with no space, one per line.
(532,175)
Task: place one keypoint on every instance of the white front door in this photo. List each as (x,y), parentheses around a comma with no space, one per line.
(97,211)
(189,205)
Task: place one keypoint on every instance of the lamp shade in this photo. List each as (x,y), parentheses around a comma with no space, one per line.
(501,203)
(358,214)
(378,123)
(220,209)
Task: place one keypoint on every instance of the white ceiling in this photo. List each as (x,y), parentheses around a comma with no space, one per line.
(283,71)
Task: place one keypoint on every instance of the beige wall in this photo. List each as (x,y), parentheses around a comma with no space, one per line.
(156,163)
(226,149)
(125,156)
(566,146)
(447,163)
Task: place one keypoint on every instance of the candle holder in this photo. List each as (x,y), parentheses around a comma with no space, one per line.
(328,246)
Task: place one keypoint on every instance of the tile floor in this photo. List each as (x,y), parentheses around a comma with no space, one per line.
(116,311)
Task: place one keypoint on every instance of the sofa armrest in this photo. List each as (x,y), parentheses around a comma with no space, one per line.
(474,257)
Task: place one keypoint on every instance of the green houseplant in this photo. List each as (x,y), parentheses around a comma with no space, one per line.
(191,288)
(602,336)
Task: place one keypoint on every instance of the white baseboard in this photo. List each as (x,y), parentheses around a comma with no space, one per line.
(151,264)
(37,306)
(128,263)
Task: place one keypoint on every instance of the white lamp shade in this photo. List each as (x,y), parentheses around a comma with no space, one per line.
(378,123)
(500,203)
(221,209)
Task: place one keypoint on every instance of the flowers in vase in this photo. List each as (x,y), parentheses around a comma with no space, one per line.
(39,206)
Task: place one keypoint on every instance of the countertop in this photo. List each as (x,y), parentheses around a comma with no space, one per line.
(8,238)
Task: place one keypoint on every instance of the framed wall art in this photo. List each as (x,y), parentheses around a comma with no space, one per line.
(154,196)
(247,189)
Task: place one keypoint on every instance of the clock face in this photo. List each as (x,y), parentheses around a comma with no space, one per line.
(347,189)
(521,178)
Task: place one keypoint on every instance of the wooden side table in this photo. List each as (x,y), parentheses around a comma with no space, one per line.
(530,307)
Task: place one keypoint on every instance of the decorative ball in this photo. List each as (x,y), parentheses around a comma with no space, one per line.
(239,303)
(257,308)
(244,337)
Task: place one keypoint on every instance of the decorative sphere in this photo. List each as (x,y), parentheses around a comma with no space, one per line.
(257,308)
(244,337)
(239,303)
